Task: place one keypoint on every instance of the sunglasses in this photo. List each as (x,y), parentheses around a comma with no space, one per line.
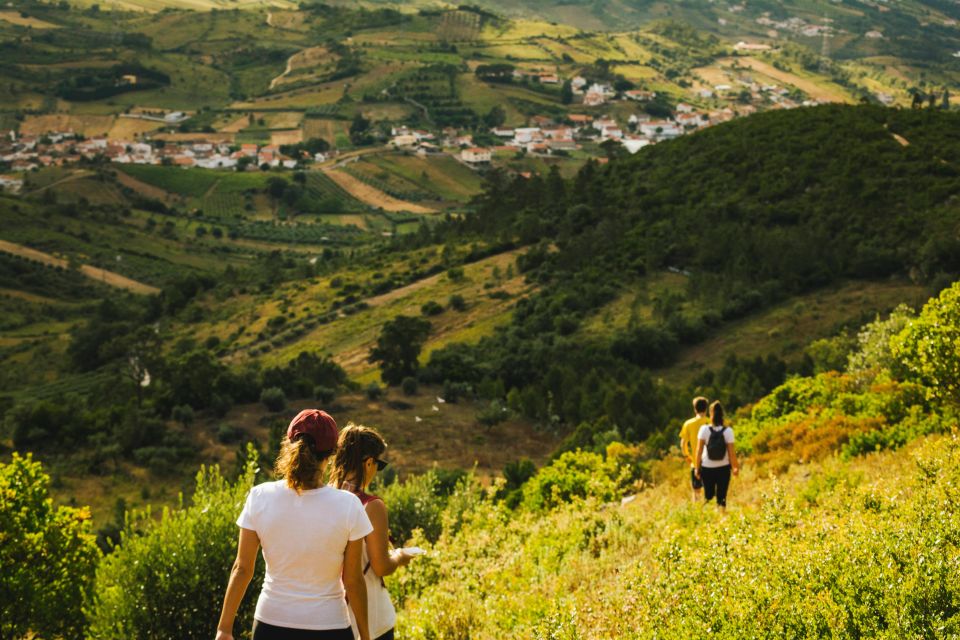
(381,464)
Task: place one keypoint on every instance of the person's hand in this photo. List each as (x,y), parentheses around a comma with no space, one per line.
(697,472)
(401,558)
(736,471)
(224,635)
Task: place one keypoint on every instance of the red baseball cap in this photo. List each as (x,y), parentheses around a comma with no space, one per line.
(319,425)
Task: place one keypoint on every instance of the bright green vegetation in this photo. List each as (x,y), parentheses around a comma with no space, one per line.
(844,523)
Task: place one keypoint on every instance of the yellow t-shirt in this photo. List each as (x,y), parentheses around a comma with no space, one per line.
(688,437)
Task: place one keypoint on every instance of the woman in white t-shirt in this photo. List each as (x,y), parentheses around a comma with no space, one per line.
(359,458)
(312,539)
(715,463)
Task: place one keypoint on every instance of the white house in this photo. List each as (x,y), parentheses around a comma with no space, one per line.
(593,99)
(524,135)
(634,143)
(476,155)
(11,184)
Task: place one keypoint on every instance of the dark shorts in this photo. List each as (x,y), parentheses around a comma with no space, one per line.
(265,631)
(716,481)
(387,636)
(695,482)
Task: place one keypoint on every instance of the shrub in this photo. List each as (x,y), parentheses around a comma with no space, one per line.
(493,414)
(414,504)
(374,391)
(324,394)
(183,414)
(228,434)
(167,578)
(431,308)
(48,555)
(575,474)
(409,386)
(457,303)
(274,399)
(929,344)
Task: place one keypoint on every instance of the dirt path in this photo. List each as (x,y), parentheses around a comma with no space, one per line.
(94,273)
(372,196)
(311,56)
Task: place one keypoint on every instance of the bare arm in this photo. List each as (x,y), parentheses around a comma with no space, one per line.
(240,577)
(700,444)
(355,586)
(734,465)
(382,561)
(686,447)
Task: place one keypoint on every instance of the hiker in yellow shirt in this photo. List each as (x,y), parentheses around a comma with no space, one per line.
(688,442)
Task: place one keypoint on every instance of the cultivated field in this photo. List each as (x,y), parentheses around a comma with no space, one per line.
(372,196)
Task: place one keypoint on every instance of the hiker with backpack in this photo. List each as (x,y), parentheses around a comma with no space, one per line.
(689,433)
(716,457)
(359,457)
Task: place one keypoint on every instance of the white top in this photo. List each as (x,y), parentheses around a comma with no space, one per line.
(704,435)
(381,616)
(303,538)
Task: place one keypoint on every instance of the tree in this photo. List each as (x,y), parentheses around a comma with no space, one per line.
(360,130)
(928,345)
(495,117)
(49,556)
(566,92)
(398,348)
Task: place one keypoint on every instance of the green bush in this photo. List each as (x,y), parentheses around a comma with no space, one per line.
(48,556)
(274,399)
(324,395)
(928,345)
(575,474)
(456,302)
(414,504)
(409,386)
(167,577)
(374,391)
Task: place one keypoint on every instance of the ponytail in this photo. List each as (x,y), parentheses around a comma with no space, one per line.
(300,463)
(716,413)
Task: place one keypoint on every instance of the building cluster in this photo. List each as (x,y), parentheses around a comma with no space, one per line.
(25,152)
(795,25)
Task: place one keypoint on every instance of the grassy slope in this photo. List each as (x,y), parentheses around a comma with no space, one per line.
(783,330)
(832,546)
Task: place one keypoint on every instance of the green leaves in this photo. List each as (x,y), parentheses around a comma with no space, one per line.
(48,556)
(167,578)
(929,346)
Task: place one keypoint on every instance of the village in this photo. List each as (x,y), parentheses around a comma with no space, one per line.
(583,133)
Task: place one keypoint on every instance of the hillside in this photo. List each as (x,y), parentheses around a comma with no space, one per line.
(844,523)
(570,347)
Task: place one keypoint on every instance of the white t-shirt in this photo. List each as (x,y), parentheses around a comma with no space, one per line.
(704,436)
(303,538)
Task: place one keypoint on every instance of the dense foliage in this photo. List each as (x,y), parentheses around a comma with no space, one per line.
(749,213)
(48,556)
(167,578)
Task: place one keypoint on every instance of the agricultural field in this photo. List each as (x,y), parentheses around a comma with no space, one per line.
(371,195)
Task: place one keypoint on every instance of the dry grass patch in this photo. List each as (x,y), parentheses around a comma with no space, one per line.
(90,125)
(373,197)
(14,17)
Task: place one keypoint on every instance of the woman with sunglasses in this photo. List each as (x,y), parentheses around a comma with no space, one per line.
(357,462)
